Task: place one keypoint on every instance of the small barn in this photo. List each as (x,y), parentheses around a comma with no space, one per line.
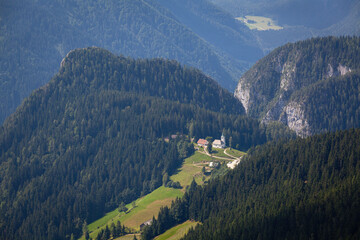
(144,224)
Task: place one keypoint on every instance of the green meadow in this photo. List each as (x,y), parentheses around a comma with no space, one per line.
(144,208)
(259,23)
(177,232)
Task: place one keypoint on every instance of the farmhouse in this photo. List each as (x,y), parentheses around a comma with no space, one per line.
(147,223)
(219,143)
(202,142)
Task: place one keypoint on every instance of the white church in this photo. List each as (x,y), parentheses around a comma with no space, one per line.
(219,143)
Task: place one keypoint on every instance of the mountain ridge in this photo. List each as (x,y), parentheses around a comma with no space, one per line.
(268,89)
(93,137)
(31,47)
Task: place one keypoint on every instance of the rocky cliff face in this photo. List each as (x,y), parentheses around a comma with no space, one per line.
(242,92)
(295,118)
(267,90)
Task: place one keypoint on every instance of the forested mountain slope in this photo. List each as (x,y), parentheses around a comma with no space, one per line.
(93,137)
(302,189)
(315,14)
(36,35)
(217,27)
(299,19)
(348,26)
(311,86)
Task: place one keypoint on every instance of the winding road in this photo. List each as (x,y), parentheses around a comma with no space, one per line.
(232,165)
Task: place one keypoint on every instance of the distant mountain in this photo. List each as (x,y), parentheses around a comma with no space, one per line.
(92,138)
(311,86)
(301,189)
(36,35)
(316,14)
(300,19)
(218,28)
(349,25)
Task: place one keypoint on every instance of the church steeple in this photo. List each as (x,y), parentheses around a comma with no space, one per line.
(223,140)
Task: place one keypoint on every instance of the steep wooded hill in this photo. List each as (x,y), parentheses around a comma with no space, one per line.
(36,35)
(311,86)
(93,137)
(302,189)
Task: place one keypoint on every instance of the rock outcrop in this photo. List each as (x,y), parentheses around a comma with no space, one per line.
(242,92)
(295,117)
(270,90)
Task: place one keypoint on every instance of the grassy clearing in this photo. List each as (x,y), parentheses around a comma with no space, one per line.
(145,208)
(102,221)
(129,237)
(198,158)
(191,168)
(235,153)
(149,205)
(177,232)
(219,152)
(188,173)
(259,23)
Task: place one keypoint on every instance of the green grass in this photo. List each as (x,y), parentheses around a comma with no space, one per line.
(219,152)
(129,237)
(235,153)
(259,23)
(102,221)
(177,232)
(149,205)
(197,158)
(145,208)
(191,168)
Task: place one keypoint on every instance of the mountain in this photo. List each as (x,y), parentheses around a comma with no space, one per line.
(316,14)
(36,35)
(218,28)
(310,86)
(299,19)
(92,138)
(348,26)
(300,189)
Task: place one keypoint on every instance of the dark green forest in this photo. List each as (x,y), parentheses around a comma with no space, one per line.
(302,189)
(114,231)
(309,62)
(92,138)
(318,74)
(36,35)
(332,104)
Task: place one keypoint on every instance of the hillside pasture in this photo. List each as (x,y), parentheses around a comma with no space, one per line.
(259,23)
(177,232)
(144,208)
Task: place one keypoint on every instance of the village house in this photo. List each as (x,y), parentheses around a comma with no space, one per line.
(147,223)
(214,164)
(219,143)
(202,142)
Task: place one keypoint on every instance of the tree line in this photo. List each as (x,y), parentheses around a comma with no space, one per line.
(302,189)
(93,138)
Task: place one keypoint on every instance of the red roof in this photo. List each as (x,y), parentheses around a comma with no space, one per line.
(202,142)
